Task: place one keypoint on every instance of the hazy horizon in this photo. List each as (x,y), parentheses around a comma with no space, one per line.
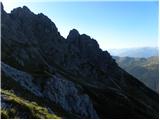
(156,47)
(115,25)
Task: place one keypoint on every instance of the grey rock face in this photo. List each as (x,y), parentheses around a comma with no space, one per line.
(66,94)
(21,77)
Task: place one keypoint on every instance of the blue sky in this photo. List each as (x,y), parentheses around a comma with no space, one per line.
(118,24)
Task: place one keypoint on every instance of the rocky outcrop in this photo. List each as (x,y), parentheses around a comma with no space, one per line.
(23,78)
(57,89)
(69,96)
(74,72)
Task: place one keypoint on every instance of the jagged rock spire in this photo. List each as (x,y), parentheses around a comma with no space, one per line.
(2,8)
(73,34)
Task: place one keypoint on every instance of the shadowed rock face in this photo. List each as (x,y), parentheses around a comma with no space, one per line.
(74,73)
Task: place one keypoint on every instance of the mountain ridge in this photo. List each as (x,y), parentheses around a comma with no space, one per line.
(73,73)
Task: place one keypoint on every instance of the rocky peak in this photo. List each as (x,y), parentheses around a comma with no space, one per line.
(82,41)
(2,8)
(24,9)
(21,11)
(73,34)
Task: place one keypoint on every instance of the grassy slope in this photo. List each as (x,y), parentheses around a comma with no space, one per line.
(33,108)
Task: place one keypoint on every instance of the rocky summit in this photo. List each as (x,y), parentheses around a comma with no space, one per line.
(45,75)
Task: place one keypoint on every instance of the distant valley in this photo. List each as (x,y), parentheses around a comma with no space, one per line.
(145,69)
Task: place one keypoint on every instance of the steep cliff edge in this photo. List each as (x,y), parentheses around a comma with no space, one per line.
(72,77)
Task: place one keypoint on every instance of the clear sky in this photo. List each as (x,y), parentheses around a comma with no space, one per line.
(116,24)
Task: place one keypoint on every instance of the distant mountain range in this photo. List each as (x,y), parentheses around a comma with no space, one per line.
(45,75)
(145,69)
(143,52)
